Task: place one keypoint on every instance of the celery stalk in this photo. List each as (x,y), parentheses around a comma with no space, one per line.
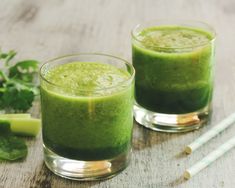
(24,126)
(6,116)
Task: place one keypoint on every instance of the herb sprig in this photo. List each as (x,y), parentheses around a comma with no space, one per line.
(17,82)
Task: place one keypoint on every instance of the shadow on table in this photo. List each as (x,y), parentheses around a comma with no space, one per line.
(44,178)
(177,182)
(145,138)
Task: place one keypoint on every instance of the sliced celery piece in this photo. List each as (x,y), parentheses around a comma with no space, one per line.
(6,116)
(24,126)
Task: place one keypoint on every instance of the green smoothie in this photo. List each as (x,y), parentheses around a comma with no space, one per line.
(174,69)
(87,110)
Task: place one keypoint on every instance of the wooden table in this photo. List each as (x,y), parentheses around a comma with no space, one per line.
(46,29)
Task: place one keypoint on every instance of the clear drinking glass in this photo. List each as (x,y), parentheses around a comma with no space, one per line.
(86,132)
(174,74)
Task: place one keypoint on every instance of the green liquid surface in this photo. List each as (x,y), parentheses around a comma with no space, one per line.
(89,117)
(174,69)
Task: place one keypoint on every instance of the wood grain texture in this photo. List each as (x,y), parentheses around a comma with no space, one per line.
(46,29)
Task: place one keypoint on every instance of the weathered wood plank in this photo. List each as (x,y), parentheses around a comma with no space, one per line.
(45,29)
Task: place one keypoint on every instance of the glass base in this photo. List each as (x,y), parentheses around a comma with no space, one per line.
(173,123)
(85,170)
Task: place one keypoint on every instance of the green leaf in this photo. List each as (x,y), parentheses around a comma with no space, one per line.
(1,74)
(24,70)
(7,56)
(11,54)
(11,147)
(25,85)
(17,96)
(3,77)
(3,55)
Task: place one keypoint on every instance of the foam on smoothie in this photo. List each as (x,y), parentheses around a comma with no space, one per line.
(173,37)
(88,76)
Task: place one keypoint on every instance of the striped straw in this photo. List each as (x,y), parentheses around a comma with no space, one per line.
(210,158)
(210,134)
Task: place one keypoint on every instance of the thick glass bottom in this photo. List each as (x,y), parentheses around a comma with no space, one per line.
(173,123)
(85,170)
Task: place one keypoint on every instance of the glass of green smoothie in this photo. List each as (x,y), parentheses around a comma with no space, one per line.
(174,63)
(87,118)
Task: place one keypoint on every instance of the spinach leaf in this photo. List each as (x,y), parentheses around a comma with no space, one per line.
(11,147)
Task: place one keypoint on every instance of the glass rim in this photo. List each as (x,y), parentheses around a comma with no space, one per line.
(129,80)
(182,21)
